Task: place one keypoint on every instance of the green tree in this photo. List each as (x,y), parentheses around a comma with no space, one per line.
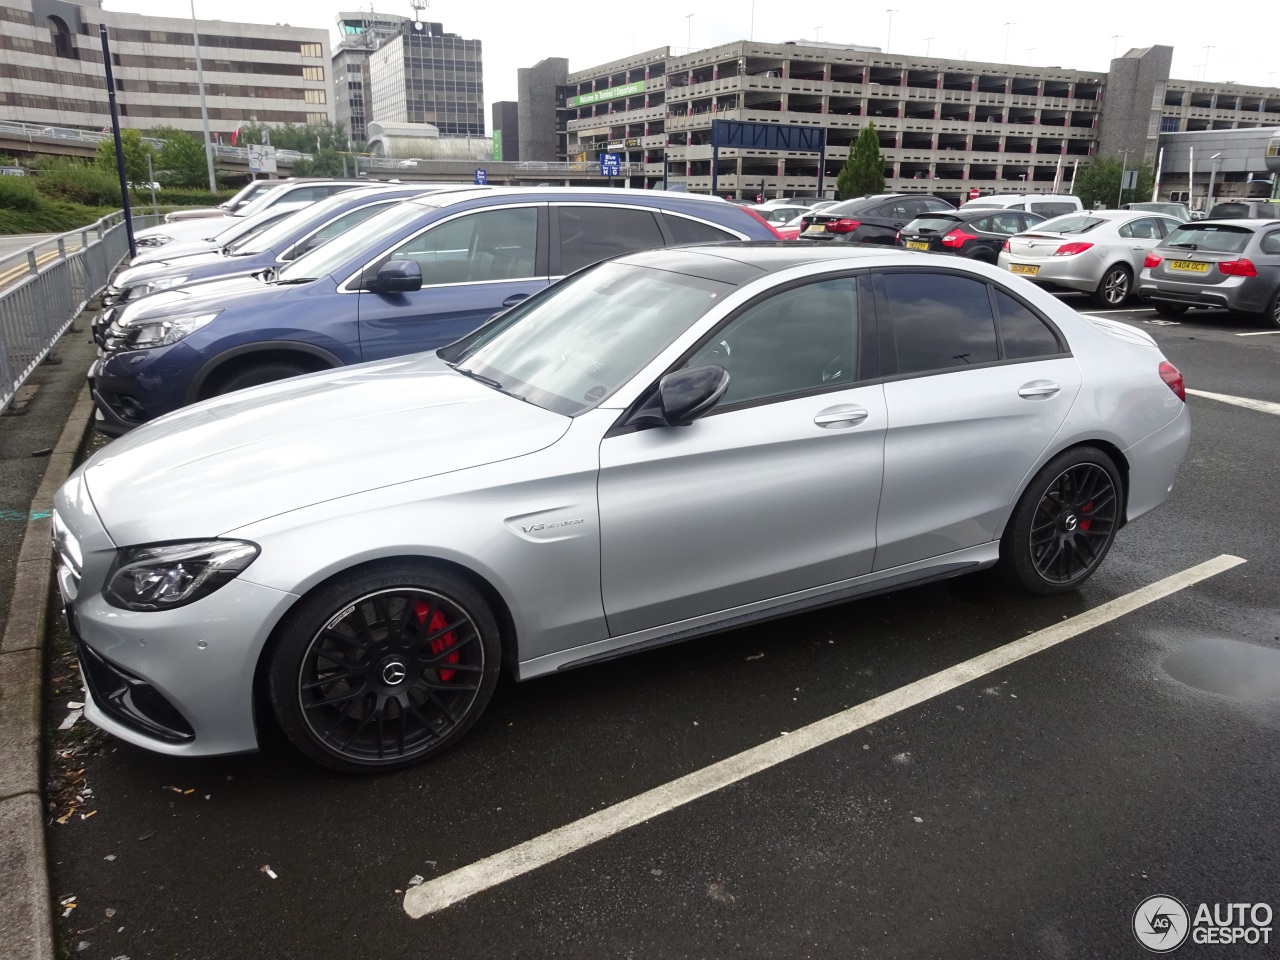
(182,161)
(135,156)
(325,162)
(1099,182)
(290,136)
(863,172)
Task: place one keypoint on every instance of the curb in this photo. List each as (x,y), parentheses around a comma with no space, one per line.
(26,925)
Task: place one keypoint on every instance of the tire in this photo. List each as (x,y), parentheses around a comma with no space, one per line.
(1064,523)
(1170,309)
(1271,316)
(384,666)
(256,373)
(1115,286)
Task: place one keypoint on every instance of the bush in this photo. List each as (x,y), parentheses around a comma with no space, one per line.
(48,216)
(77,183)
(188,198)
(18,193)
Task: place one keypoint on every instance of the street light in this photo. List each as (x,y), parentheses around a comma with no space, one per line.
(1216,162)
(1115,47)
(927,42)
(1204,67)
(1008,28)
(204,106)
(689,33)
(889,36)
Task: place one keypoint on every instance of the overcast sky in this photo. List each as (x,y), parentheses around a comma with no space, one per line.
(518,33)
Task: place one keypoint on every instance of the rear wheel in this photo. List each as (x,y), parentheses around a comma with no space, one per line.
(1170,309)
(1272,313)
(256,373)
(1113,289)
(1064,524)
(384,667)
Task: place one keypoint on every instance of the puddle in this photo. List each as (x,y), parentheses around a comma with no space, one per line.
(1232,668)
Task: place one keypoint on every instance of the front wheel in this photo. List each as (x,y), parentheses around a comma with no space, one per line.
(384,667)
(1113,289)
(257,373)
(1064,524)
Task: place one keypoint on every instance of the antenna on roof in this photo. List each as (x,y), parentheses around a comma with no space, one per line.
(418,7)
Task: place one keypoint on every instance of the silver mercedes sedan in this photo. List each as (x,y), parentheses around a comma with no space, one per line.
(661,446)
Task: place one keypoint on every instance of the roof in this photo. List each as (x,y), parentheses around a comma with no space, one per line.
(738,263)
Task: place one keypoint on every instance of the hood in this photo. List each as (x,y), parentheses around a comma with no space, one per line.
(172,251)
(204,228)
(167,267)
(257,453)
(203,297)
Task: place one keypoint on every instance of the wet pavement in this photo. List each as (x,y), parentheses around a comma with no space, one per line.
(1025,814)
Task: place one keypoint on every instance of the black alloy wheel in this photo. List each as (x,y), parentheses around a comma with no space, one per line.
(1113,289)
(1064,524)
(385,667)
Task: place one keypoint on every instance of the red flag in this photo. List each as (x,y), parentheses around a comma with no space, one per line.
(235,135)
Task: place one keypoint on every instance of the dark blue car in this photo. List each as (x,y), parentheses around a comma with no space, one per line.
(415,277)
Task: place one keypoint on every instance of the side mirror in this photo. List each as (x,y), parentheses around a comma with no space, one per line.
(396,276)
(683,396)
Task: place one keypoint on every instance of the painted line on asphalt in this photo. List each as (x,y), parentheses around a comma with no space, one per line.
(1259,333)
(442,892)
(1098,313)
(1262,406)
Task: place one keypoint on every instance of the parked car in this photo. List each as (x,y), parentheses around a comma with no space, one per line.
(791,229)
(288,191)
(1099,252)
(240,228)
(780,214)
(1169,208)
(1232,264)
(975,234)
(412,278)
(1045,204)
(874,219)
(282,243)
(249,192)
(1245,210)
(666,445)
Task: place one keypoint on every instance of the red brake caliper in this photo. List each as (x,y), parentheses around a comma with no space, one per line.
(441,643)
(1085,522)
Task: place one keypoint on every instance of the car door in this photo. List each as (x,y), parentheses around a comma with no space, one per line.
(980,384)
(1140,237)
(474,264)
(773,492)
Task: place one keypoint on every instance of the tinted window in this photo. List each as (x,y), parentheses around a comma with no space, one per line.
(1024,334)
(684,230)
(1209,237)
(930,204)
(797,340)
(933,223)
(476,247)
(1052,208)
(940,321)
(1003,223)
(591,234)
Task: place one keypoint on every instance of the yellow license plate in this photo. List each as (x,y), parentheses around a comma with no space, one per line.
(1188,266)
(817,228)
(917,245)
(1023,269)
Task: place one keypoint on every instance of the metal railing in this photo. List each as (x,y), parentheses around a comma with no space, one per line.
(31,132)
(44,287)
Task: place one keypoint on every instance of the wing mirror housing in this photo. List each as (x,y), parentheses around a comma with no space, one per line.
(682,397)
(396,276)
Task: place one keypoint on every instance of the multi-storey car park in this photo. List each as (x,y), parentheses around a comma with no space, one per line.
(945,126)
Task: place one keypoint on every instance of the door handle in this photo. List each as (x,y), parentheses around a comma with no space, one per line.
(845,415)
(1038,390)
(515,298)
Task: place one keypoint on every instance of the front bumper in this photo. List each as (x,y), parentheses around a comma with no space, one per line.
(134,386)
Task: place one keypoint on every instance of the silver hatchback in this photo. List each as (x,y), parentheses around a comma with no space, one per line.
(1232,264)
(659,447)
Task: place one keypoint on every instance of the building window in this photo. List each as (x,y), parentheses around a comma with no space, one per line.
(314,50)
(63,45)
(1168,124)
(315,96)
(317,118)
(313,73)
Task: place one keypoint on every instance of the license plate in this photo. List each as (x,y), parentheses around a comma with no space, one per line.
(917,245)
(816,228)
(1188,266)
(1023,269)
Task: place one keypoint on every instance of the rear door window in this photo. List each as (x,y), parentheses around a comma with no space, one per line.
(590,234)
(939,322)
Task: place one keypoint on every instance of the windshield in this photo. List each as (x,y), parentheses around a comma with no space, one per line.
(1070,223)
(250,226)
(283,231)
(570,350)
(263,200)
(368,238)
(1210,238)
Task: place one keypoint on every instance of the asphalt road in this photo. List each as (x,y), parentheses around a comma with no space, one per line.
(1024,814)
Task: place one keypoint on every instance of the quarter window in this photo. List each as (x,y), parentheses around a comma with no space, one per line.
(1271,243)
(591,234)
(1024,334)
(798,340)
(476,248)
(684,230)
(940,321)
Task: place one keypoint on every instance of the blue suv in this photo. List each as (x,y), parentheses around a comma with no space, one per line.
(415,277)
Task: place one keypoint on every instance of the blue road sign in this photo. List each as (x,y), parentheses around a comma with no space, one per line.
(610,164)
(482,176)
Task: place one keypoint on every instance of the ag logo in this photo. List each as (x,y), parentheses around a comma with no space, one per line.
(1161,924)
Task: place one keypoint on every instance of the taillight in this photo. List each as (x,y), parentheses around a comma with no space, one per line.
(772,228)
(1238,268)
(958,238)
(843,226)
(1071,249)
(1173,377)
(1152,260)
(897,237)
(1005,246)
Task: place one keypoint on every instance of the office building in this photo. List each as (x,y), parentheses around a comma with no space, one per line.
(360,34)
(424,75)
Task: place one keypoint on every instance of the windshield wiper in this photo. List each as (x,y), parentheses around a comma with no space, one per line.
(487,381)
(291,281)
(1185,246)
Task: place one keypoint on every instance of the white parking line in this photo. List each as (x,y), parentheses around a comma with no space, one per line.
(1259,333)
(1262,406)
(1098,313)
(449,889)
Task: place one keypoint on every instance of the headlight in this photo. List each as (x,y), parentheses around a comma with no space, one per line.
(173,574)
(154,241)
(160,283)
(160,332)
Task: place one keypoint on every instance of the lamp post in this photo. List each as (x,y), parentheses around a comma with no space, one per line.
(1215,163)
(1008,29)
(204,106)
(889,36)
